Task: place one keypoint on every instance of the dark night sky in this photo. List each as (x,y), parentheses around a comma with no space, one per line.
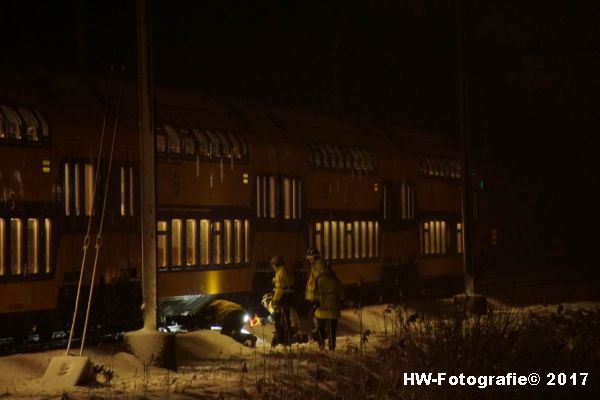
(533,81)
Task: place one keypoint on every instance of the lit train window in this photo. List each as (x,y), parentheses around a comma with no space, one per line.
(161,142)
(214,144)
(188,146)
(356,239)
(161,244)
(190,242)
(227,239)
(326,240)
(13,122)
(2,125)
(176,243)
(345,240)
(204,242)
(67,186)
(319,237)
(363,238)
(16,246)
(33,231)
(287,198)
(31,124)
(342,238)
(174,140)
(226,149)
(122,194)
(217,242)
(47,245)
(89,189)
(434,237)
(272,197)
(203,145)
(247,240)
(349,237)
(42,123)
(76,189)
(235,145)
(2,247)
(371,239)
(407,201)
(131,188)
(334,241)
(239,244)
(459,238)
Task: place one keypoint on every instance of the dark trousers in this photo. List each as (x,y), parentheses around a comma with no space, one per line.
(283,325)
(326,328)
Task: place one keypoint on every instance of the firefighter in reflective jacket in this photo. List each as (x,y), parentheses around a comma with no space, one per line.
(328,296)
(316,267)
(283,293)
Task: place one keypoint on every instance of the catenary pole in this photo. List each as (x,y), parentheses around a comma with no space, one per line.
(148,176)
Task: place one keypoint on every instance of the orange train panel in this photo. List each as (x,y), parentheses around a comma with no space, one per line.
(32,296)
(436,266)
(358,272)
(205,282)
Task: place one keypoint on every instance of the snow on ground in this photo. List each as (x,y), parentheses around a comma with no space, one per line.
(211,365)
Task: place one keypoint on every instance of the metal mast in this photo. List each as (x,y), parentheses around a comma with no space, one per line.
(148,176)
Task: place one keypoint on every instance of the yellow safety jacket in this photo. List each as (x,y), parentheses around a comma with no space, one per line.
(283,286)
(315,270)
(328,295)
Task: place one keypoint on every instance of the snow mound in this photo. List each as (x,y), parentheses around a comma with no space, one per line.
(208,345)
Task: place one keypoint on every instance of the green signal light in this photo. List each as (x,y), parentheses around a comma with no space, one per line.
(481,184)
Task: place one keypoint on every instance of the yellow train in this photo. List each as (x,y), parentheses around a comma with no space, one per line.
(235,185)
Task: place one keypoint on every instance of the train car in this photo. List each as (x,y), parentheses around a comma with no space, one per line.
(236,184)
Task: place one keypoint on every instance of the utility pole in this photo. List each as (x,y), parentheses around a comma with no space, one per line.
(463,118)
(148,175)
(148,345)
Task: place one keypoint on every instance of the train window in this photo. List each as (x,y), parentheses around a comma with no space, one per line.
(227,240)
(161,142)
(371,239)
(272,197)
(16,246)
(2,250)
(434,237)
(190,242)
(459,238)
(76,189)
(356,239)
(131,187)
(161,244)
(204,242)
(326,240)
(2,125)
(287,198)
(235,145)
(67,186)
(176,243)
(334,241)
(188,146)
(295,198)
(122,194)
(13,122)
(33,231)
(342,238)
(203,146)
(89,189)
(407,201)
(214,144)
(226,149)
(376,239)
(217,243)
(174,140)
(349,253)
(47,245)
(31,124)
(187,142)
(238,249)
(363,238)
(247,240)
(42,123)
(319,237)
